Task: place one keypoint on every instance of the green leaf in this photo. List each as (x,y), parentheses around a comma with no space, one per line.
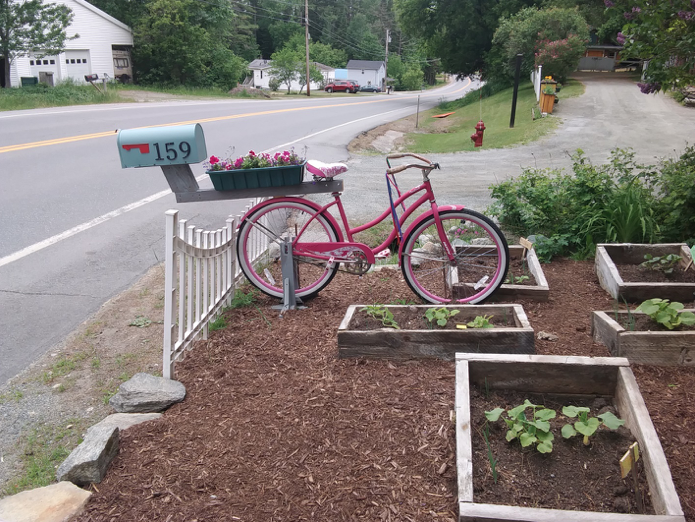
(676,306)
(568,431)
(573,411)
(589,428)
(515,412)
(687,318)
(527,439)
(542,425)
(494,415)
(545,436)
(648,308)
(545,414)
(545,447)
(511,435)
(441,322)
(611,421)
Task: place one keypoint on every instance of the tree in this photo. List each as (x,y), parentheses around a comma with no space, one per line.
(180,43)
(30,26)
(532,30)
(412,78)
(314,76)
(459,32)
(318,52)
(286,65)
(662,33)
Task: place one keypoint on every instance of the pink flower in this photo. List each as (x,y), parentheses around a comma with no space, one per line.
(238,162)
(214,159)
(251,153)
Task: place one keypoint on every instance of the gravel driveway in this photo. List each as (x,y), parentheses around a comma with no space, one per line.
(612,113)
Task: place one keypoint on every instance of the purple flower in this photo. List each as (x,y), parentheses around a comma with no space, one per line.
(608,3)
(620,38)
(686,15)
(649,88)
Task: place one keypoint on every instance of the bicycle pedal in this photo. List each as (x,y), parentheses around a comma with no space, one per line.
(330,263)
(383,254)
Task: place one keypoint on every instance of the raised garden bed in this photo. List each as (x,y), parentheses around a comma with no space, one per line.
(610,257)
(659,348)
(512,333)
(569,377)
(536,288)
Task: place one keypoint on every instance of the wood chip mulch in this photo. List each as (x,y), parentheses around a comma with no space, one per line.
(276,428)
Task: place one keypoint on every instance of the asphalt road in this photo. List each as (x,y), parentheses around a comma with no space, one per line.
(76,229)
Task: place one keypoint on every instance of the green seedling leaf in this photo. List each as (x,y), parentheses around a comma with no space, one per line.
(587,428)
(515,413)
(494,415)
(545,414)
(527,439)
(542,425)
(511,435)
(648,308)
(545,436)
(545,447)
(568,431)
(611,421)
(573,411)
(687,318)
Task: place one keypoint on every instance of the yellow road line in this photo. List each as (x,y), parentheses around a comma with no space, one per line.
(70,139)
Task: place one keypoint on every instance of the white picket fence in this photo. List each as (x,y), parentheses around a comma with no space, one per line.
(536,77)
(200,276)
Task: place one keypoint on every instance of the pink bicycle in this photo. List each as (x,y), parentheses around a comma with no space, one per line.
(448,254)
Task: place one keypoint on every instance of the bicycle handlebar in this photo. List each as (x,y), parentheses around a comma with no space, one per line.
(400,168)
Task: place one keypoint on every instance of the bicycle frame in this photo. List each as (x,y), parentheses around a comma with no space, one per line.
(309,249)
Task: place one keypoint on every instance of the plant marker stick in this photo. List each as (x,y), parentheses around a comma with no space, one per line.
(628,465)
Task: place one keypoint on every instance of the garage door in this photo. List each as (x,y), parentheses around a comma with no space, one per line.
(78,64)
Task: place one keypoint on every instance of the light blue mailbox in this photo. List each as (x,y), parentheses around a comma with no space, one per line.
(176,145)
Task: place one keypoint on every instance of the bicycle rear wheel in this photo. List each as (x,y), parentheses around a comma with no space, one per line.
(480,264)
(258,247)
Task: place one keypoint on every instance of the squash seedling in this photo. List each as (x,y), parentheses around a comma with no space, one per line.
(586,425)
(666,313)
(440,315)
(382,314)
(531,429)
(481,321)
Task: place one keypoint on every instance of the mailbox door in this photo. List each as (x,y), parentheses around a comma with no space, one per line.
(175,145)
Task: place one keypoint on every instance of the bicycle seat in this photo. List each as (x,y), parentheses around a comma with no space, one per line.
(325,170)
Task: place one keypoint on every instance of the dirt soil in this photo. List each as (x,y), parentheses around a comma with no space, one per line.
(636,273)
(276,427)
(573,474)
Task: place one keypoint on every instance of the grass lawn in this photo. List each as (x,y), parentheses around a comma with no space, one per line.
(452,134)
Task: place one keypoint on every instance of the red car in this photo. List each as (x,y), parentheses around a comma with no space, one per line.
(342,86)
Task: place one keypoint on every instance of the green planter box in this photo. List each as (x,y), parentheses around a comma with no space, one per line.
(241,179)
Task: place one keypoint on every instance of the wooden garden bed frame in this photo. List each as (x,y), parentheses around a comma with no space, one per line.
(536,292)
(607,255)
(659,348)
(575,376)
(438,343)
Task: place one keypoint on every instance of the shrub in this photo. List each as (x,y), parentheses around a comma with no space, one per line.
(676,183)
(569,214)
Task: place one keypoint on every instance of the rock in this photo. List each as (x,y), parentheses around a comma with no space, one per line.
(123,421)
(432,248)
(621,505)
(620,490)
(545,336)
(416,259)
(54,503)
(481,241)
(145,393)
(88,462)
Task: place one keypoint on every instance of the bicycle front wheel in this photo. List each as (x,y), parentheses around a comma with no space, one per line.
(258,247)
(480,264)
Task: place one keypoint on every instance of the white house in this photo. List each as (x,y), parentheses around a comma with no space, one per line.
(103,48)
(367,72)
(261,75)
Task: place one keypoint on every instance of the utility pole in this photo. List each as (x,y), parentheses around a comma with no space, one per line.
(306,41)
(386,60)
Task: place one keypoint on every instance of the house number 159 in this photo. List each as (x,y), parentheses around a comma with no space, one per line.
(171,152)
